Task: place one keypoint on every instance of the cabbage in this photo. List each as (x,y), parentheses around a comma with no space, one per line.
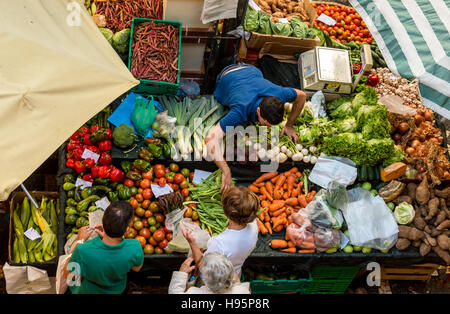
(121,41)
(108,34)
(264,23)
(366,96)
(251,20)
(404,213)
(281,29)
(346,125)
(299,28)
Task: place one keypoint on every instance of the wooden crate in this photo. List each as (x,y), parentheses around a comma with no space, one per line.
(414,272)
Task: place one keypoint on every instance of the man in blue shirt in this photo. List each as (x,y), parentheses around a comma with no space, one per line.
(251,98)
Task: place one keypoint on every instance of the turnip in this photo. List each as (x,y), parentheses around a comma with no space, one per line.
(313,149)
(313,160)
(270,154)
(297,157)
(262,153)
(288,106)
(276,150)
(281,157)
(304,151)
(256,146)
(289,153)
(283,149)
(299,146)
(306,159)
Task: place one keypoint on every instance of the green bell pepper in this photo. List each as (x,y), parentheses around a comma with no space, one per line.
(98,136)
(102,181)
(155,150)
(113,197)
(78,197)
(125,165)
(81,222)
(124,193)
(167,151)
(69,178)
(142,165)
(133,175)
(84,204)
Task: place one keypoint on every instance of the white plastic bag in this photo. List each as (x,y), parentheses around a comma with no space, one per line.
(179,242)
(321,213)
(370,222)
(26,280)
(329,168)
(173,220)
(214,10)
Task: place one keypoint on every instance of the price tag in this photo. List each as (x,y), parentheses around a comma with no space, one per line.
(103,203)
(32,234)
(82,183)
(283,20)
(200,175)
(90,154)
(344,240)
(161,190)
(326,19)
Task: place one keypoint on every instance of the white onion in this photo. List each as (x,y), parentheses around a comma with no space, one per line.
(282,157)
(276,150)
(283,149)
(299,146)
(306,159)
(313,149)
(297,157)
(289,153)
(313,160)
(304,151)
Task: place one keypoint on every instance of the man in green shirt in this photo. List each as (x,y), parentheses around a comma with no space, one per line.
(104,261)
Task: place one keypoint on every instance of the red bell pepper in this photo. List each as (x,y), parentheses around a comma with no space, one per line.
(73,144)
(117,174)
(88,177)
(95,171)
(75,136)
(104,145)
(108,134)
(373,80)
(69,155)
(89,162)
(77,153)
(94,149)
(70,163)
(87,140)
(95,128)
(80,167)
(83,130)
(104,172)
(356,68)
(105,159)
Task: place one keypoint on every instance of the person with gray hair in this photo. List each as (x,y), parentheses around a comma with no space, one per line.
(217,273)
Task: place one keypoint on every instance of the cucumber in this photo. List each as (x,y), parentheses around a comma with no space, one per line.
(363,173)
(380,185)
(370,174)
(379,168)
(358,176)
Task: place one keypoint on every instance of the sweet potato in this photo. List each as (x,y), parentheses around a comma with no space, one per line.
(443,242)
(444,207)
(442,254)
(434,231)
(433,208)
(410,233)
(445,193)
(423,211)
(416,243)
(393,171)
(444,225)
(419,222)
(422,192)
(411,188)
(424,249)
(440,218)
(431,241)
(402,244)
(403,198)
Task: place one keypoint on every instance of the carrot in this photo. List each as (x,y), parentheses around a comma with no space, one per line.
(269,187)
(266,194)
(267,224)
(260,185)
(290,250)
(278,244)
(307,245)
(266,176)
(291,244)
(279,222)
(278,194)
(289,210)
(279,217)
(290,184)
(278,212)
(310,196)
(286,237)
(261,216)
(292,201)
(298,174)
(280,182)
(253,188)
(286,195)
(266,215)
(278,229)
(277,204)
(275,179)
(261,226)
(290,220)
(306,251)
(285,186)
(294,192)
(262,197)
(265,204)
(293,170)
(302,201)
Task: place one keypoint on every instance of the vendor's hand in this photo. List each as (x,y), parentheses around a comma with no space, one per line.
(186,266)
(84,233)
(290,132)
(227,181)
(187,233)
(99,229)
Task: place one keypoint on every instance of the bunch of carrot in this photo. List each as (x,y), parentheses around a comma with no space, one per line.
(281,195)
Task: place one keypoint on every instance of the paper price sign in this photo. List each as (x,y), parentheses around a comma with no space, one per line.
(90,154)
(200,175)
(161,190)
(326,19)
(32,234)
(103,203)
(82,183)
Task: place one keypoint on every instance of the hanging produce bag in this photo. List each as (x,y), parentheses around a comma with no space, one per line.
(143,115)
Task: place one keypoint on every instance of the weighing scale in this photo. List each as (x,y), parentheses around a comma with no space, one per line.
(329,69)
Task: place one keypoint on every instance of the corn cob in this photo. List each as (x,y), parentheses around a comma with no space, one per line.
(25,212)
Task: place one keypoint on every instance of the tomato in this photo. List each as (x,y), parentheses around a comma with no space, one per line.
(356,21)
(148,174)
(145,204)
(163,244)
(140,190)
(160,173)
(358,29)
(159,250)
(140,211)
(141,240)
(152,241)
(149,249)
(131,233)
(145,184)
(159,217)
(137,183)
(357,38)
(169,236)
(158,167)
(134,219)
(167,230)
(145,233)
(339,32)
(197,222)
(133,191)
(154,207)
(184,185)
(326,12)
(333,33)
(148,213)
(188,199)
(139,197)
(185,192)
(153,229)
(128,182)
(147,194)
(194,215)
(185,172)
(175,187)
(169,177)
(145,223)
(151,221)
(162,181)
(138,225)
(159,235)
(134,203)
(178,178)
(348,20)
(174,167)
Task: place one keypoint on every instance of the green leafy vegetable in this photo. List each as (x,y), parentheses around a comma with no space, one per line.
(396,155)
(108,34)
(264,23)
(251,20)
(333,105)
(346,125)
(121,40)
(366,96)
(300,29)
(281,29)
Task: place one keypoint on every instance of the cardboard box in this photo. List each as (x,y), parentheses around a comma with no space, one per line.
(283,53)
(257,41)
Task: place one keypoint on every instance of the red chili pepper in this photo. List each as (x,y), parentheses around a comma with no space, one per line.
(87,140)
(89,162)
(105,159)
(88,177)
(104,145)
(104,172)
(83,130)
(70,163)
(94,171)
(79,166)
(95,128)
(94,149)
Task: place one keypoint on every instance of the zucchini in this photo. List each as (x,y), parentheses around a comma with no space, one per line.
(363,173)
(379,168)
(380,185)
(370,174)
(358,176)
